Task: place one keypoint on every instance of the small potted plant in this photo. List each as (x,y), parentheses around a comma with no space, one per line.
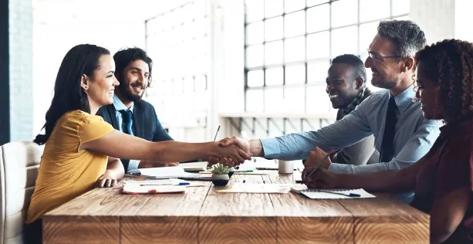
(231,171)
(220,174)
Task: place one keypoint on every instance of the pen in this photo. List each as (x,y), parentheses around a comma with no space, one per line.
(216,132)
(351,194)
(319,163)
(243,170)
(166,184)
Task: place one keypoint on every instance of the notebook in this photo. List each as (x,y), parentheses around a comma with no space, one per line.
(254,188)
(194,167)
(139,188)
(332,193)
(337,193)
(170,172)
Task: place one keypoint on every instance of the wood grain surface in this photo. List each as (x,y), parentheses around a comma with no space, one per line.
(202,215)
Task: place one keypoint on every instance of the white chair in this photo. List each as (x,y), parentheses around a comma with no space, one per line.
(19,164)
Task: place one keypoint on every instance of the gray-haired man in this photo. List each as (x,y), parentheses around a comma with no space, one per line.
(393,116)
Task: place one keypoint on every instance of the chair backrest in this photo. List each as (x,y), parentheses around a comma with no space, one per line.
(19,164)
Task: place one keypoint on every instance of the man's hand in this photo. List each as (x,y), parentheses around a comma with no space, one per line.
(253,146)
(242,143)
(107,179)
(231,151)
(317,159)
(322,178)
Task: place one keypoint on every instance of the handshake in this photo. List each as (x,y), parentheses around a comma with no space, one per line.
(233,151)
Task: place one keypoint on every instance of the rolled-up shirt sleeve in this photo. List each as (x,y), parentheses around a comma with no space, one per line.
(340,134)
(414,134)
(415,148)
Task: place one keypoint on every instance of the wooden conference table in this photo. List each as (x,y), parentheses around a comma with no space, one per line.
(201,215)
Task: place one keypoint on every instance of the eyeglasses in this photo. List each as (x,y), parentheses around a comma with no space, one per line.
(380,58)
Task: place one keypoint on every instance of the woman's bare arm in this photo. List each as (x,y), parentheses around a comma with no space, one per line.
(113,173)
(120,145)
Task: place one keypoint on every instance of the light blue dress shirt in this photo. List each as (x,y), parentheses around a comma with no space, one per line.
(413,137)
(118,104)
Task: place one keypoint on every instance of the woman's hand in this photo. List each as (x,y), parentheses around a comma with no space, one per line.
(113,173)
(107,179)
(230,151)
(237,141)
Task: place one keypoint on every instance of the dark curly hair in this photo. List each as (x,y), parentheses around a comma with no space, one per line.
(449,64)
(125,56)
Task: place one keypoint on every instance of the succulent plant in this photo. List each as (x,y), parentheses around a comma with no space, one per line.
(220,169)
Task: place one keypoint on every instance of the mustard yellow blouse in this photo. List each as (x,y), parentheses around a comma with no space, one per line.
(66,171)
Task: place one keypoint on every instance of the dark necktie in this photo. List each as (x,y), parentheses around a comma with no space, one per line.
(387,147)
(127,117)
(126,120)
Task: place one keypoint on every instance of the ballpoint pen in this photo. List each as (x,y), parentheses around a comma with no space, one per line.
(166,184)
(318,165)
(351,194)
(216,132)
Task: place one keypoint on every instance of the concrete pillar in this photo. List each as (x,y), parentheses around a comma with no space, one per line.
(21,69)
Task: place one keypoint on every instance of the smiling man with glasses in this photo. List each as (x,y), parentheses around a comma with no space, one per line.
(393,116)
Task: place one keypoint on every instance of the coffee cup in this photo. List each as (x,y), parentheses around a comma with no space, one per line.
(285,167)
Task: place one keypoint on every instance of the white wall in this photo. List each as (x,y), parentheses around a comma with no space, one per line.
(59,25)
(443,19)
(230,95)
(463,20)
(435,17)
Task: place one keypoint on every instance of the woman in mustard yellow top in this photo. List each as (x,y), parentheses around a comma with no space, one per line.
(82,149)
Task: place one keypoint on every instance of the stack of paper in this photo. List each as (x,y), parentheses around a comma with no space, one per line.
(140,187)
(265,164)
(171,172)
(336,193)
(194,166)
(331,193)
(255,188)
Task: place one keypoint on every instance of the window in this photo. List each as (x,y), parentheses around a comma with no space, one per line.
(289,44)
(178,42)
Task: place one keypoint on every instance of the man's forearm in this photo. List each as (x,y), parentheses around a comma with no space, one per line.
(256,148)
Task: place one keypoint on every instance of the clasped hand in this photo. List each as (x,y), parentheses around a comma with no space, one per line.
(315,173)
(232,151)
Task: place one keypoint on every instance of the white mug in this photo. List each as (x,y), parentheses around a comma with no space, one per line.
(285,167)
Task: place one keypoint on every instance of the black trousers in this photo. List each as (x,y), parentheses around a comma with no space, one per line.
(33,232)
